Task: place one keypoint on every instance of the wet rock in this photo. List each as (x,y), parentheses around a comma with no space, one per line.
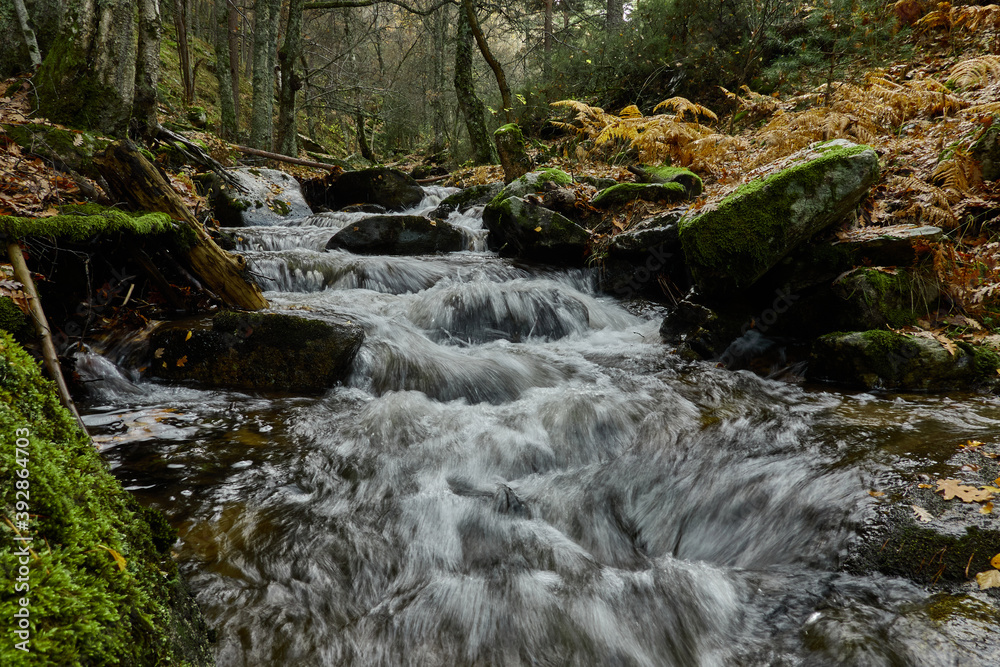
(386,187)
(510,147)
(256,351)
(521,229)
(914,532)
(265,197)
(364,208)
(399,235)
(667,174)
(635,260)
(874,298)
(987,151)
(699,332)
(623,193)
(894,245)
(529,184)
(731,246)
(476,195)
(887,360)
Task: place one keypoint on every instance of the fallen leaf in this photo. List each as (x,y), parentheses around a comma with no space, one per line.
(922,514)
(995,561)
(953,488)
(971,443)
(117,556)
(182,361)
(159,352)
(987,508)
(876,494)
(988,579)
(925,486)
(538,229)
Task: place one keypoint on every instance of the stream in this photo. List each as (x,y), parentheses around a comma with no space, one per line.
(518,472)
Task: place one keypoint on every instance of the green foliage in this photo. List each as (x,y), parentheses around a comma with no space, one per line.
(84,608)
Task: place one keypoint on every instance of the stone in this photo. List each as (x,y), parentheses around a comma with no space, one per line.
(883,359)
(634,262)
(878,297)
(265,197)
(463,200)
(399,235)
(623,193)
(510,147)
(256,351)
(529,184)
(986,151)
(521,229)
(198,117)
(733,244)
(691,182)
(889,246)
(387,187)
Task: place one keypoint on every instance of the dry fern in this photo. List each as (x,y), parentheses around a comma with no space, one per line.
(957,175)
(929,204)
(975,72)
(681,106)
(755,104)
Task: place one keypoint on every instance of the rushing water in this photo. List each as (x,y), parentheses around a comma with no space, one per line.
(519,473)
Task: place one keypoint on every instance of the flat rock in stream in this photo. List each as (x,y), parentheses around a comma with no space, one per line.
(270,351)
(265,197)
(399,235)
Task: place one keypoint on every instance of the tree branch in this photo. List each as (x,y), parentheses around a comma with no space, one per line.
(344,4)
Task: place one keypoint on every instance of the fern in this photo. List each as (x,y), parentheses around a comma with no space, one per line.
(681,106)
(975,73)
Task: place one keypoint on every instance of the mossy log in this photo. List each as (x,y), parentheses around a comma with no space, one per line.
(132,178)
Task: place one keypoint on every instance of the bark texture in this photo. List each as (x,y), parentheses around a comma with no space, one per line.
(224,72)
(147,72)
(266,13)
(291,82)
(483,149)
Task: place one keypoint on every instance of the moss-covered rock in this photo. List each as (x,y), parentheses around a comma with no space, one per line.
(522,229)
(399,235)
(882,359)
(73,148)
(265,197)
(463,200)
(663,173)
(510,147)
(529,184)
(387,187)
(256,351)
(86,606)
(873,298)
(623,193)
(732,245)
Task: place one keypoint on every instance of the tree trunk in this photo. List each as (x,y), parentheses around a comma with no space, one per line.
(483,149)
(87,79)
(291,49)
(262,119)
(183,53)
(28,33)
(132,178)
(147,74)
(616,14)
(234,57)
(508,104)
(366,149)
(223,72)
(439,123)
(547,42)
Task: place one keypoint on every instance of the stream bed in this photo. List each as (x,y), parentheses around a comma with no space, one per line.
(518,472)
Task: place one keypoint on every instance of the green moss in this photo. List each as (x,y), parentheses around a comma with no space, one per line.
(944,607)
(531,183)
(280,207)
(84,609)
(510,132)
(626,192)
(80,222)
(987,362)
(666,174)
(12,319)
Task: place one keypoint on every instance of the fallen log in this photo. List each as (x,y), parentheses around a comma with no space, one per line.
(284,158)
(133,179)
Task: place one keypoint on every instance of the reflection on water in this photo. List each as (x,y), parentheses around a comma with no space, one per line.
(517,472)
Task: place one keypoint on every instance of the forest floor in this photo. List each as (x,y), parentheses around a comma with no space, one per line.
(923,117)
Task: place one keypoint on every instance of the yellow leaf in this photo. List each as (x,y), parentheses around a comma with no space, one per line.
(182,361)
(117,556)
(876,494)
(952,488)
(925,486)
(987,508)
(188,337)
(538,229)
(995,561)
(988,579)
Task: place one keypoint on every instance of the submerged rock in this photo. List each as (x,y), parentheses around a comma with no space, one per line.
(399,235)
(521,229)
(887,360)
(729,247)
(265,197)
(257,351)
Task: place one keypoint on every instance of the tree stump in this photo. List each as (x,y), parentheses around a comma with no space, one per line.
(513,157)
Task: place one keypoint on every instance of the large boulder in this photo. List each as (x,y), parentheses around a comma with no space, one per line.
(399,235)
(733,244)
(883,359)
(387,187)
(269,351)
(877,297)
(510,147)
(635,262)
(264,197)
(623,193)
(522,229)
(529,184)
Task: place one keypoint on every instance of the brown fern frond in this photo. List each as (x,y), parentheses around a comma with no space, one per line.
(754,103)
(992,107)
(681,106)
(709,153)
(939,18)
(973,18)
(957,175)
(929,203)
(621,130)
(975,72)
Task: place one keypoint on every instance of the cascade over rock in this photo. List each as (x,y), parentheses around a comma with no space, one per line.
(267,197)
(519,228)
(399,235)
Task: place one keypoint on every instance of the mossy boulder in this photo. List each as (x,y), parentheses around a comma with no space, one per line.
(882,359)
(399,235)
(86,606)
(269,351)
(623,193)
(877,297)
(736,242)
(387,187)
(463,200)
(521,229)
(514,157)
(663,173)
(70,148)
(987,151)
(264,197)
(198,117)
(529,184)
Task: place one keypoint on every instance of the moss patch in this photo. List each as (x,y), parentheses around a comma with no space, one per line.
(12,319)
(626,192)
(80,222)
(84,609)
(530,183)
(692,183)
